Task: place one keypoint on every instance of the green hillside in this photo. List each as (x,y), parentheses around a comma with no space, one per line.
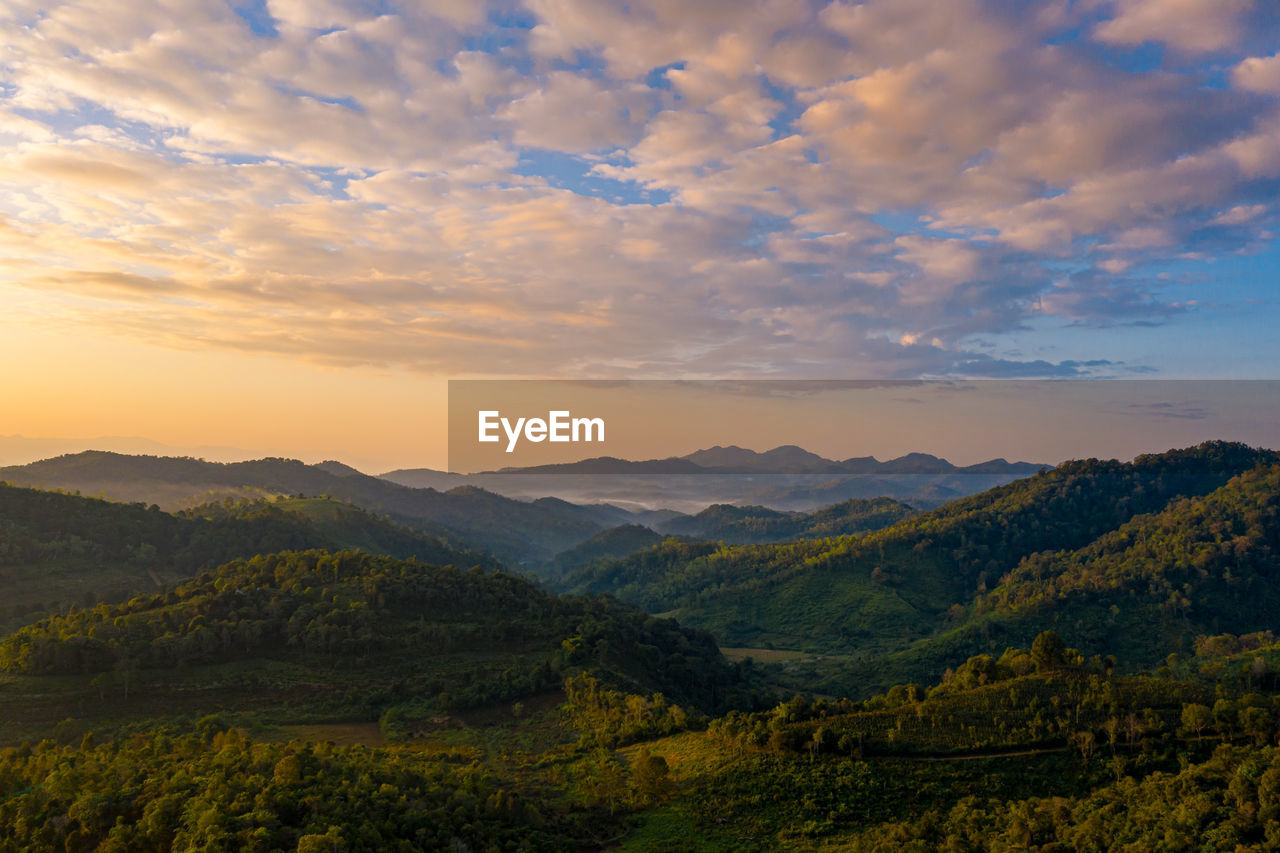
(346,634)
(1202,566)
(724,523)
(855,598)
(58,549)
(743,525)
(614,542)
(1039,750)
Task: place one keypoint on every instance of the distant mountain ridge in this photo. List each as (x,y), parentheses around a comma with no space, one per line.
(511,529)
(785,459)
(525,519)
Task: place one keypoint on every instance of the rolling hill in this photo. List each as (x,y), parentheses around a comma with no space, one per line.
(344,634)
(615,542)
(59,549)
(732,524)
(742,525)
(856,598)
(1204,565)
(515,531)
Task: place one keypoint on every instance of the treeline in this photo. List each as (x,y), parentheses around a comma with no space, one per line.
(224,792)
(614,718)
(1229,803)
(1044,697)
(355,609)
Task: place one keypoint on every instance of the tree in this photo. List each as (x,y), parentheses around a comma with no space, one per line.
(1224,717)
(650,778)
(126,671)
(331,842)
(605,781)
(1085,742)
(1112,729)
(1256,722)
(1048,651)
(1196,718)
(815,744)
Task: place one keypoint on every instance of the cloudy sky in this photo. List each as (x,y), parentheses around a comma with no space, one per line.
(212,213)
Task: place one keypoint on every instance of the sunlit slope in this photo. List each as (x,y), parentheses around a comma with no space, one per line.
(882,591)
(1202,566)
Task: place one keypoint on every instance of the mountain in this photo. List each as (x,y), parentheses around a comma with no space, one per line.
(925,463)
(877,594)
(426,478)
(785,478)
(338,469)
(347,634)
(1202,566)
(513,530)
(780,460)
(611,465)
(614,542)
(786,459)
(749,524)
(58,549)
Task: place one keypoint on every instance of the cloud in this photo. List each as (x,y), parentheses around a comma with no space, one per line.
(1104,297)
(575,114)
(1190,25)
(568,187)
(1258,74)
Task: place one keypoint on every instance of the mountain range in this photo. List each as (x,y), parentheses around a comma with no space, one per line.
(527,534)
(785,459)
(784,478)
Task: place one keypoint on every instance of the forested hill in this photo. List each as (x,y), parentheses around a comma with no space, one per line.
(57,549)
(513,530)
(615,542)
(1202,566)
(879,592)
(742,525)
(378,631)
(735,525)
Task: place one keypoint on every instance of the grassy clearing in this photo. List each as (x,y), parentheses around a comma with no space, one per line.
(764,655)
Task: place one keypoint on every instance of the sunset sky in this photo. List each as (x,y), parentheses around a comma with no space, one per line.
(281,226)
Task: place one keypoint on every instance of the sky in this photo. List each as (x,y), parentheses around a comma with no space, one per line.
(283,225)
